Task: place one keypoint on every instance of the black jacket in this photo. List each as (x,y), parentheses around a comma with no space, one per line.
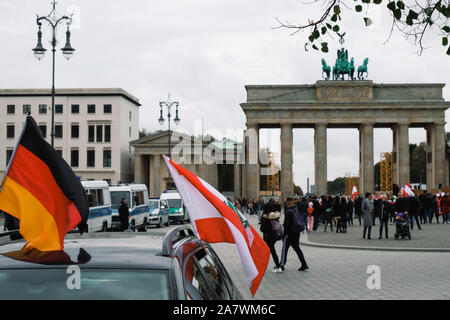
(123,212)
(402,205)
(385,209)
(413,206)
(288,217)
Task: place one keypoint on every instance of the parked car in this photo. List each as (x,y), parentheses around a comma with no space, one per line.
(177,211)
(159,212)
(117,266)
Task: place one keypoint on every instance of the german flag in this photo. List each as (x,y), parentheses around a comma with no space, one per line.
(41,190)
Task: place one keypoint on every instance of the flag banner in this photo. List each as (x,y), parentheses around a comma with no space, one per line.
(215,219)
(407,190)
(354,192)
(41,190)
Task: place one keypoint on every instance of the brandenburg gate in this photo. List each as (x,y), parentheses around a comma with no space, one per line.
(359,104)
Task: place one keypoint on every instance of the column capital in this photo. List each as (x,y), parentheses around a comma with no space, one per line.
(252,125)
(366,124)
(320,124)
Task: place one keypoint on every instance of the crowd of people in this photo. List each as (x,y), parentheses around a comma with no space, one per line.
(338,212)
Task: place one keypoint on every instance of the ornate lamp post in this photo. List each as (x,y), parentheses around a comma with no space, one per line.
(39,52)
(169,104)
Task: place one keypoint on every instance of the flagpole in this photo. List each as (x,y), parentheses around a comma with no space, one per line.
(15,150)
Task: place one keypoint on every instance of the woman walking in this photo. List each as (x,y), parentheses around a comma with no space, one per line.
(310,213)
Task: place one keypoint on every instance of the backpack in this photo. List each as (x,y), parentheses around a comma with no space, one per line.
(298,223)
(277,229)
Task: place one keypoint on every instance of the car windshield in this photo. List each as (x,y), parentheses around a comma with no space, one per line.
(87,284)
(153,204)
(174,203)
(116,197)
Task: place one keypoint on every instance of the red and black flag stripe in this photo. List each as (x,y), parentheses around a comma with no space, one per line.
(41,190)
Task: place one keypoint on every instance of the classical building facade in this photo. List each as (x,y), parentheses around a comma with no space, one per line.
(363,105)
(217,162)
(93,128)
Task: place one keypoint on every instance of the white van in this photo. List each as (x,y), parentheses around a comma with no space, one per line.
(99,199)
(177,211)
(137,201)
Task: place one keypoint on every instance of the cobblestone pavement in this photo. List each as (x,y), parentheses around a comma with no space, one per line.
(431,236)
(342,274)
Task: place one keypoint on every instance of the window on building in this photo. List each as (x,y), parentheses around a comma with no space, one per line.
(11,109)
(91,108)
(99,133)
(42,109)
(107,133)
(10,131)
(129,115)
(91,133)
(58,131)
(129,132)
(75,108)
(9,154)
(74,155)
(43,128)
(107,158)
(91,158)
(26,108)
(107,108)
(75,131)
(58,109)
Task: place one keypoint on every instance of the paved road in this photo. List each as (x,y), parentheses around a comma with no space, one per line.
(342,274)
(431,236)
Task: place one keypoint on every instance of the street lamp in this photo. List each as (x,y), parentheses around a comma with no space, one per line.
(39,52)
(168,104)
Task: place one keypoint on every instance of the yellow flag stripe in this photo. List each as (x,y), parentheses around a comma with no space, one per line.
(37,225)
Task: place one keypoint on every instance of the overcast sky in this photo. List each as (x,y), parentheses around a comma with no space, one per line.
(204,52)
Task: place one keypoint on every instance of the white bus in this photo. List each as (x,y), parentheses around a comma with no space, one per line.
(99,200)
(138,206)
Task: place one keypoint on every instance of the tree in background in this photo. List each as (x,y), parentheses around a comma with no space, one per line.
(413,18)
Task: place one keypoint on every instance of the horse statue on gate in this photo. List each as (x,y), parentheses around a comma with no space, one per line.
(325,70)
(363,69)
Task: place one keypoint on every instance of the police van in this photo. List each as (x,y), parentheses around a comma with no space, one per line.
(99,199)
(177,211)
(137,201)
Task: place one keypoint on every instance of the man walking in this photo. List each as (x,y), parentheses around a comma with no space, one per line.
(292,229)
(414,212)
(124,214)
(385,211)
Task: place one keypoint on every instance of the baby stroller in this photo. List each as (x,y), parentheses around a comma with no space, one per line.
(402,226)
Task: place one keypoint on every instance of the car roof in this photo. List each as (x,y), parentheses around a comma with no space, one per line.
(94,184)
(106,250)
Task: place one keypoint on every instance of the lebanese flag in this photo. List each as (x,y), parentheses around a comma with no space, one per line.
(215,219)
(354,193)
(407,190)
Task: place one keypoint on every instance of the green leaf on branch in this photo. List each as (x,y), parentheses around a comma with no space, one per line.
(391,5)
(412,15)
(401,5)
(444,41)
(428,11)
(336,28)
(329,26)
(448,50)
(324,47)
(367,21)
(334,18)
(315,47)
(324,30)
(358,8)
(429,21)
(365,1)
(397,14)
(336,9)
(377,1)
(446,29)
(311,38)
(316,34)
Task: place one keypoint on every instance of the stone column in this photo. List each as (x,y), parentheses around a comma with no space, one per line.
(395,155)
(237,180)
(320,159)
(436,162)
(157,175)
(403,154)
(138,169)
(367,178)
(252,161)
(286,183)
